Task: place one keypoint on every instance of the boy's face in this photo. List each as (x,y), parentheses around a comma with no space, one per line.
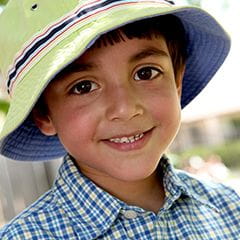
(118,109)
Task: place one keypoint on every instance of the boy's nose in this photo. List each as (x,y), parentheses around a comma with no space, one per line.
(123,104)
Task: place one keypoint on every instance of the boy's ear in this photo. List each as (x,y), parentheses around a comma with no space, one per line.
(179,80)
(43,122)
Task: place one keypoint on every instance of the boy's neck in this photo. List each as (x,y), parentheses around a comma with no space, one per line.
(146,193)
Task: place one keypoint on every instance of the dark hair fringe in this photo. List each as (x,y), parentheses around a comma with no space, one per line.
(169,26)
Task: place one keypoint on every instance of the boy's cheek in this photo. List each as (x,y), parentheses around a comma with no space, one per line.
(166,110)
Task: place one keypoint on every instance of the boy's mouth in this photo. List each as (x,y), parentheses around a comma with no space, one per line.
(130,139)
(129,142)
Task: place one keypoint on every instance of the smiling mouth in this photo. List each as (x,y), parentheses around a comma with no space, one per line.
(130,139)
(130,142)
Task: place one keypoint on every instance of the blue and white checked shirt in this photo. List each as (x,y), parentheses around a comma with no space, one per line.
(75,208)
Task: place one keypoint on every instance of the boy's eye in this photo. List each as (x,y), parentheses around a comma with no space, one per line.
(84,87)
(147,73)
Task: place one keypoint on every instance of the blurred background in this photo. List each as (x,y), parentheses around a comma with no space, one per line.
(208,143)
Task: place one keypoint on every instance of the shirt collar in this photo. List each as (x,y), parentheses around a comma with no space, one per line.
(178,183)
(93,211)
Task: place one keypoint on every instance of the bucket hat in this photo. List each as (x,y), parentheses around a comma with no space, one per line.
(38,38)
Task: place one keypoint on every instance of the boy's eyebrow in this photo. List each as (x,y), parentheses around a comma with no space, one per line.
(79,67)
(151,51)
(74,67)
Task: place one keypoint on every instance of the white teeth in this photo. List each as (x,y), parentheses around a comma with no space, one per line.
(130,139)
(124,140)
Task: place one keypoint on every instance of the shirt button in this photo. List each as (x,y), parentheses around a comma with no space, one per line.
(130,214)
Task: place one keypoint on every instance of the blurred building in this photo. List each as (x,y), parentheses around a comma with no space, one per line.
(214,130)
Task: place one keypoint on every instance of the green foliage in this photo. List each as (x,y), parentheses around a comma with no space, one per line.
(229,152)
(4,105)
(3,2)
(236,123)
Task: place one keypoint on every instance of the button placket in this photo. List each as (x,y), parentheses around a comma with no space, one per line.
(132,220)
(129,217)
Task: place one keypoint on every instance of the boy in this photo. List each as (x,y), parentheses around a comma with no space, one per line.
(100,82)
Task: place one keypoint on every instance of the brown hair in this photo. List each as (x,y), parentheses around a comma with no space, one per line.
(170,27)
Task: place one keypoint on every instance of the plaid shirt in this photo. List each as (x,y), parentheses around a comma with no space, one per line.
(75,208)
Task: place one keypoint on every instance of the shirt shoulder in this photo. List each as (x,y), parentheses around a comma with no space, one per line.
(69,210)
(27,224)
(39,221)
(221,197)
